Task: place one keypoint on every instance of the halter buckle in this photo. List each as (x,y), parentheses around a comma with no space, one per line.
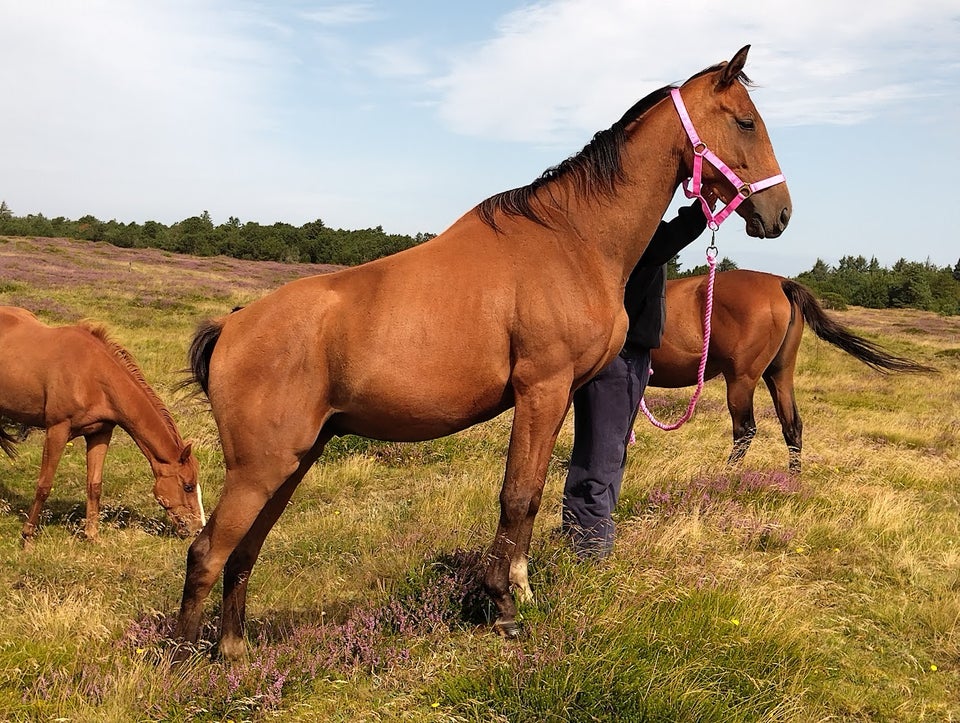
(745,191)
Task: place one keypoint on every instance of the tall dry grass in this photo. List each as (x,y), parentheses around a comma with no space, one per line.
(740,594)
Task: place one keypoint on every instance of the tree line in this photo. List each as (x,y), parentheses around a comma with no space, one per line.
(313,242)
(907,284)
(854,281)
(858,282)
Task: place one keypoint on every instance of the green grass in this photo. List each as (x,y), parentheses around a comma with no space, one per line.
(733,595)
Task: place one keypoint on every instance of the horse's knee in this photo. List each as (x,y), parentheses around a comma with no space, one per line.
(198,550)
(197,578)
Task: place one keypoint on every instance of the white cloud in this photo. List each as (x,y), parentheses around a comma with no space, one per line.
(559,69)
(402,59)
(343,14)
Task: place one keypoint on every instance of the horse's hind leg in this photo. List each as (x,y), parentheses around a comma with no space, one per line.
(239,565)
(780,384)
(97,445)
(539,413)
(54,443)
(244,496)
(740,405)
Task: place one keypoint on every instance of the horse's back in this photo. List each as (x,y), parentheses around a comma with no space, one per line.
(12,317)
(45,371)
(366,349)
(411,346)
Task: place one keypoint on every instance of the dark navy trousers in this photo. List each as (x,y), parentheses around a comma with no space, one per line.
(604,410)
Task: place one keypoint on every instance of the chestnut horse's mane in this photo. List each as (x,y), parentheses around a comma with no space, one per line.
(99,332)
(596,170)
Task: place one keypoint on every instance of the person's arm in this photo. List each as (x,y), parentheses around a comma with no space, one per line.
(672,236)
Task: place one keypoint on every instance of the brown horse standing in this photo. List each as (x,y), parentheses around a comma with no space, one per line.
(74,381)
(517,304)
(756,329)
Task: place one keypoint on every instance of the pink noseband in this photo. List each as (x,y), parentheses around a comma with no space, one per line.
(700,151)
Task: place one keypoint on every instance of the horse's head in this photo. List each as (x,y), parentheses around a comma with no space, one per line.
(177,489)
(730,126)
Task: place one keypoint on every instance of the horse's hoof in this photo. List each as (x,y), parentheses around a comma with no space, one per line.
(180,654)
(231,650)
(507,629)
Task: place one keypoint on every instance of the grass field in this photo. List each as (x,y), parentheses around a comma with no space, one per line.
(733,595)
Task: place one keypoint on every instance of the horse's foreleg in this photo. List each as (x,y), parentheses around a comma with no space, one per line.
(540,410)
(97,445)
(53,445)
(236,573)
(780,384)
(740,405)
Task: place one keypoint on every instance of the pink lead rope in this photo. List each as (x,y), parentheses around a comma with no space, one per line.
(708,313)
(693,188)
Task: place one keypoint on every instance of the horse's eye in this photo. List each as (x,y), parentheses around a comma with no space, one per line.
(189,488)
(746,124)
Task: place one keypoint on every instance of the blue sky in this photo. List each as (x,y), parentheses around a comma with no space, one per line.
(406,114)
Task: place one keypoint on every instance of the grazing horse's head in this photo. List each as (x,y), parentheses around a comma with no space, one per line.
(177,489)
(729,125)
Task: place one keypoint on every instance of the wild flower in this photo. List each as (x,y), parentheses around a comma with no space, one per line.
(722,498)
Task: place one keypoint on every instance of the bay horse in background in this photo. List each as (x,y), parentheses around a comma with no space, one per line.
(74,381)
(516,304)
(757,326)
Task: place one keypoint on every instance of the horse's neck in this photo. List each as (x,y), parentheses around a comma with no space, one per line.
(620,227)
(141,415)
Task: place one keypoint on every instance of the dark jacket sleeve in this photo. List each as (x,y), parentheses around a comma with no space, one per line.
(645,294)
(672,236)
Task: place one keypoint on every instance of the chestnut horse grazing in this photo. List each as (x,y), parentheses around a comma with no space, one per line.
(757,326)
(74,381)
(517,304)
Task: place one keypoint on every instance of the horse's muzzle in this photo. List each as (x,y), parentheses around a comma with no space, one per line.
(758,228)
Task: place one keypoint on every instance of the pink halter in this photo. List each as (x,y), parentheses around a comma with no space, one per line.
(700,151)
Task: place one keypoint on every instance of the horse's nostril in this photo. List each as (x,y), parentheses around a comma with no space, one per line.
(785,217)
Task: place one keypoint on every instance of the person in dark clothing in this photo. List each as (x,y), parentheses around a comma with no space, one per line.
(605,408)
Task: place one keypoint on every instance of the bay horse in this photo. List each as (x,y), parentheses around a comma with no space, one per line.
(516,304)
(74,381)
(757,326)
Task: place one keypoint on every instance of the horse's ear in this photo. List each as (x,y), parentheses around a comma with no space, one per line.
(731,71)
(185,452)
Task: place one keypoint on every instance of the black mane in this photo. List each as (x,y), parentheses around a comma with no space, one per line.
(595,170)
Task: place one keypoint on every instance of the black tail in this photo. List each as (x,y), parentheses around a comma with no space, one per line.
(830,331)
(201,349)
(7,442)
